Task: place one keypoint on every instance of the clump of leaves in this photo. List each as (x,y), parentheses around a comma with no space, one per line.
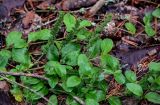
(148,19)
(147,23)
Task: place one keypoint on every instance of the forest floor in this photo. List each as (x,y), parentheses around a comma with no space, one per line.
(79,52)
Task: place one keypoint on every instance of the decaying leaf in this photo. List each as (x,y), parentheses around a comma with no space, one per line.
(44,5)
(74,4)
(8,5)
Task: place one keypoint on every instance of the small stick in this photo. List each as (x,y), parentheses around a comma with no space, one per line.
(95,8)
(13,82)
(24,74)
(35,76)
(78,100)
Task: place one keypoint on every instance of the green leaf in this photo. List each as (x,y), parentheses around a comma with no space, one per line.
(70,21)
(94,50)
(53,67)
(38,86)
(71,58)
(130,27)
(83,34)
(84,65)
(73,81)
(147,19)
(153,97)
(108,71)
(64,86)
(52,81)
(114,100)
(5,55)
(68,48)
(53,100)
(131,76)
(30,96)
(156,13)
(71,101)
(106,45)
(97,95)
(44,34)
(84,23)
(119,77)
(21,56)
(60,70)
(154,66)
(149,30)
(91,102)
(29,80)
(110,61)
(49,68)
(17,93)
(158,80)
(135,88)
(14,38)
(51,52)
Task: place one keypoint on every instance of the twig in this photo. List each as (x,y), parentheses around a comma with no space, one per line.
(13,82)
(35,76)
(95,8)
(78,100)
(24,74)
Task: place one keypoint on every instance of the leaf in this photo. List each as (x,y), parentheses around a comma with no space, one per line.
(14,38)
(17,93)
(130,27)
(68,48)
(64,86)
(53,100)
(131,76)
(51,52)
(110,61)
(153,97)
(21,55)
(52,81)
(154,66)
(84,23)
(71,101)
(119,77)
(71,58)
(106,45)
(53,67)
(49,68)
(60,69)
(44,34)
(73,81)
(156,13)
(84,64)
(147,19)
(97,95)
(135,88)
(91,102)
(149,30)
(5,55)
(95,49)
(70,21)
(114,100)
(29,80)
(83,34)
(38,86)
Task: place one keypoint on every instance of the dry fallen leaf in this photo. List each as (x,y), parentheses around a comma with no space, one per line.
(44,5)
(4,86)
(28,19)
(74,4)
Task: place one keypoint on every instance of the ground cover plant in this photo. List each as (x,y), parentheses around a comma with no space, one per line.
(80,66)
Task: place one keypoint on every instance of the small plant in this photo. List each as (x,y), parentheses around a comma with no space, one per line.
(68,67)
